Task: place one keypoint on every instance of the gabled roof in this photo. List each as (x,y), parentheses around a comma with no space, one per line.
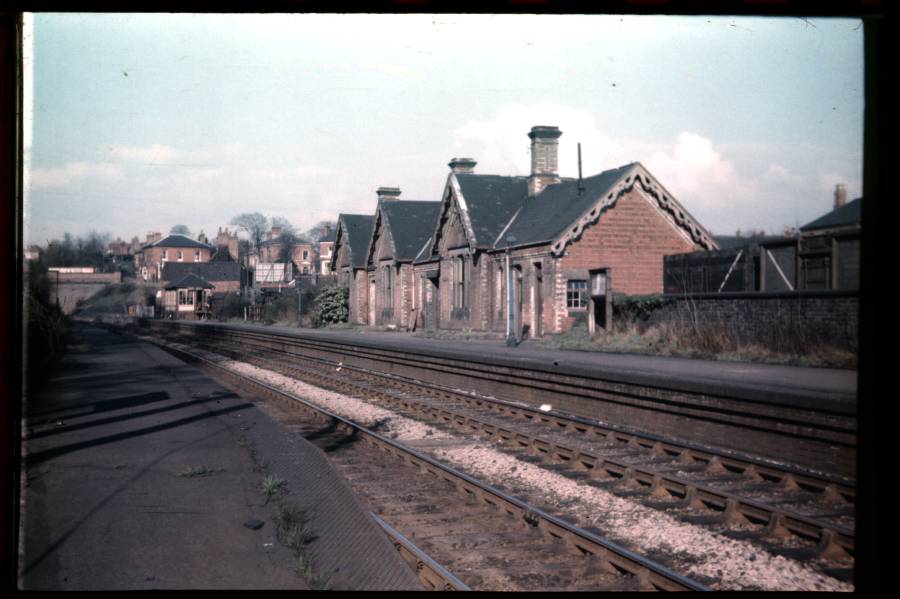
(544,216)
(409,224)
(209,271)
(848,214)
(559,214)
(176,240)
(490,201)
(190,282)
(356,231)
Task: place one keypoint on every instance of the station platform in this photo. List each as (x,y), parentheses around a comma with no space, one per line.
(827,389)
(144,473)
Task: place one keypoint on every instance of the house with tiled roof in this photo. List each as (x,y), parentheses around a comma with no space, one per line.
(187,298)
(541,253)
(348,261)
(173,248)
(324,248)
(400,228)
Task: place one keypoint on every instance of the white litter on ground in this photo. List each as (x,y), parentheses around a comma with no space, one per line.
(733,564)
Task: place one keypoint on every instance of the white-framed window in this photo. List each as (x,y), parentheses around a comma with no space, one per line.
(185,297)
(576,294)
(306,254)
(165,255)
(459,282)
(180,256)
(196,255)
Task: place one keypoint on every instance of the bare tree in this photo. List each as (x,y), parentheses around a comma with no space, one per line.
(317,232)
(288,238)
(253,223)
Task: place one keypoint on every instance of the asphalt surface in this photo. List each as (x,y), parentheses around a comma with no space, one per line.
(143,473)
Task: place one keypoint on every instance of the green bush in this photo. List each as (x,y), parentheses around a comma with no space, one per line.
(638,308)
(281,309)
(332,305)
(233,307)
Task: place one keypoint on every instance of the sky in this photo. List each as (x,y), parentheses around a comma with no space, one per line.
(139,122)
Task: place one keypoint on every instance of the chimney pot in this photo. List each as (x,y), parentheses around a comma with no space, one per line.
(388,193)
(462,165)
(840,195)
(544,157)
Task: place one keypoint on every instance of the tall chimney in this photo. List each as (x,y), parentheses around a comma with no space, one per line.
(840,195)
(544,161)
(388,194)
(461,165)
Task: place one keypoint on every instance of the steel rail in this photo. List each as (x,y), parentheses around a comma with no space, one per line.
(833,540)
(731,460)
(650,575)
(434,576)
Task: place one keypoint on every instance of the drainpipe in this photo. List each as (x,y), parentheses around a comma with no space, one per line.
(510,316)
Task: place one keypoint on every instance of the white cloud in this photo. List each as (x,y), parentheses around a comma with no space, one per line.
(501,145)
(725,186)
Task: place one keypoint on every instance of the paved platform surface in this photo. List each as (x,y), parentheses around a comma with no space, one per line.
(142,473)
(797,385)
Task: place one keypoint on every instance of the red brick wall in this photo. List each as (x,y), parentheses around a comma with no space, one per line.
(630,239)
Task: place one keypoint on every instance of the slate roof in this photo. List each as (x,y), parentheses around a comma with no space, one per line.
(210,271)
(546,215)
(176,240)
(222,255)
(411,224)
(190,282)
(491,201)
(358,228)
(848,214)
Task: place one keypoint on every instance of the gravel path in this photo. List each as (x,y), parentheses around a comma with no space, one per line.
(731,564)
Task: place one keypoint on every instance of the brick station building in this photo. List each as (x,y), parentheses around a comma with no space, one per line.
(348,261)
(400,229)
(568,244)
(555,248)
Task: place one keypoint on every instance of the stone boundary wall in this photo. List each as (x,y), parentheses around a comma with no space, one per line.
(821,316)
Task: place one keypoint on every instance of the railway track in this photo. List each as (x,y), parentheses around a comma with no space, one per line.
(489,539)
(779,506)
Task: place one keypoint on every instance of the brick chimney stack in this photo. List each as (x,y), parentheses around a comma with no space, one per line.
(840,195)
(544,158)
(462,165)
(388,194)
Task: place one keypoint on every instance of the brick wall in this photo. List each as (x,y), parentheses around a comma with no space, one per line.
(630,239)
(359,297)
(823,316)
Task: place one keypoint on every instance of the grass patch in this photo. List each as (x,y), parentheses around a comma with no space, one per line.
(272,485)
(292,531)
(709,342)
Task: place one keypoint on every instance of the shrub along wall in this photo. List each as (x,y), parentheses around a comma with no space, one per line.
(793,318)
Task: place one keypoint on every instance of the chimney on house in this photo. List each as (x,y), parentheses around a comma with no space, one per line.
(275,233)
(153,237)
(544,158)
(462,165)
(840,195)
(388,194)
